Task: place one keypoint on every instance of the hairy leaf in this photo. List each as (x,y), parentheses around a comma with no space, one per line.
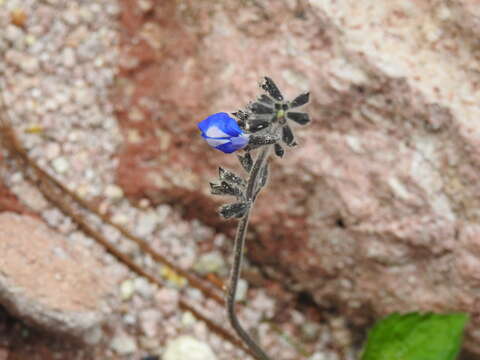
(230,177)
(246,161)
(225,189)
(263,177)
(233,210)
(263,139)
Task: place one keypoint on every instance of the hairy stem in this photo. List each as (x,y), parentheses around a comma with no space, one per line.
(239,244)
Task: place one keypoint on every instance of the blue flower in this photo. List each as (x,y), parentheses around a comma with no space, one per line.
(223,133)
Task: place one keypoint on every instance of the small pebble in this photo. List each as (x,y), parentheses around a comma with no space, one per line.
(129,319)
(242,289)
(324,356)
(143,287)
(168,299)
(52,150)
(310,331)
(145,5)
(212,262)
(71,17)
(148,343)
(146,224)
(68,57)
(123,344)
(13,34)
(188,319)
(188,348)
(120,219)
(172,277)
(148,321)
(18,17)
(127,289)
(60,165)
(29,64)
(93,336)
(113,192)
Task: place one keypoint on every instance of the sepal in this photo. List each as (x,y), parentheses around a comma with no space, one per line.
(287,136)
(279,150)
(300,100)
(299,117)
(266,139)
(265,99)
(269,86)
(259,108)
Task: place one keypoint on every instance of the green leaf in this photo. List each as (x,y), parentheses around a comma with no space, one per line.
(416,336)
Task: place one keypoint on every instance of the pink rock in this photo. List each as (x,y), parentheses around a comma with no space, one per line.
(48,283)
(376,210)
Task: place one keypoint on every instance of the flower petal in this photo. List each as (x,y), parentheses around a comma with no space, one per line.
(215,132)
(240,141)
(216,142)
(227,148)
(223,122)
(234,144)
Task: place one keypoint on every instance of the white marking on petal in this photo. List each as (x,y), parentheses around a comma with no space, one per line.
(240,141)
(217,142)
(215,132)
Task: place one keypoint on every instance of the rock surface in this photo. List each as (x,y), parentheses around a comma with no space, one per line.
(47,282)
(377,210)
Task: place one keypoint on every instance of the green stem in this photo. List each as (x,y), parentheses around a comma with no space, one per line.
(239,245)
